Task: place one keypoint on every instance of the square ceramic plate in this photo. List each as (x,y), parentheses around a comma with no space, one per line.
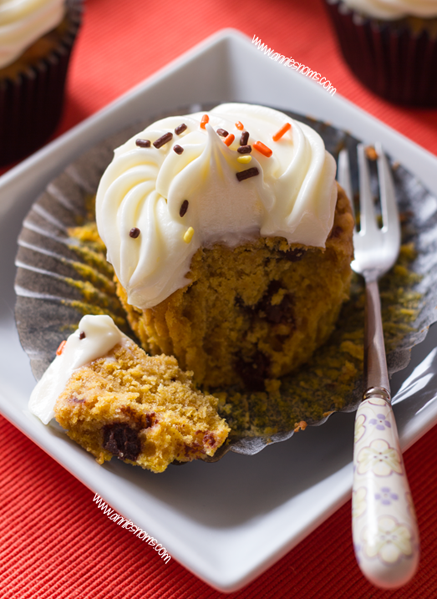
(226,522)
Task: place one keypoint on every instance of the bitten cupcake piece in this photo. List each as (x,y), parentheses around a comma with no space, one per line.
(143,410)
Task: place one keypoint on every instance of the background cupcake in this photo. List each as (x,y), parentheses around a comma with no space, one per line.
(391,46)
(36,39)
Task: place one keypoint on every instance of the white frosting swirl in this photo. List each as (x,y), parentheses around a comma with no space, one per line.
(394,9)
(101,335)
(293,196)
(22,22)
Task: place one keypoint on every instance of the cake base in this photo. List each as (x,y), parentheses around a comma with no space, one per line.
(254,312)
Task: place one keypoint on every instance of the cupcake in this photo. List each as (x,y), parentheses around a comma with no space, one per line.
(230,240)
(36,40)
(391,46)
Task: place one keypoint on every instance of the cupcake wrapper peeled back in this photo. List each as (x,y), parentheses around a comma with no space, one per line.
(31,103)
(390,58)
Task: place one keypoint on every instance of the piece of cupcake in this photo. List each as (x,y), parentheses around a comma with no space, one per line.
(114,400)
(36,40)
(230,240)
(391,46)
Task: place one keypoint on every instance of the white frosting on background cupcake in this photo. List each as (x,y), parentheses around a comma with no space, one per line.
(145,189)
(22,22)
(394,9)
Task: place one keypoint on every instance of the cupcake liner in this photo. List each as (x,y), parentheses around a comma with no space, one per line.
(31,104)
(60,278)
(388,57)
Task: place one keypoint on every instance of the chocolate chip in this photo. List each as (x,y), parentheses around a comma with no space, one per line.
(336,232)
(254,372)
(282,313)
(294,254)
(82,336)
(122,441)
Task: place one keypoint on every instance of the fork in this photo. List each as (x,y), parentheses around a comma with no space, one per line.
(384,526)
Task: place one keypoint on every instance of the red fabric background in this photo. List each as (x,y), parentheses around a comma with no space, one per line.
(54,542)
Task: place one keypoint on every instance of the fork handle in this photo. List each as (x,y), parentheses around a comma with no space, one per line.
(384,526)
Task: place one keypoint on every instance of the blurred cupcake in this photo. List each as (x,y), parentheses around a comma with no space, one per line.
(391,46)
(36,39)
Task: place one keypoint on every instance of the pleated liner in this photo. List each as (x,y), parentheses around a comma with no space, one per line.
(31,104)
(389,58)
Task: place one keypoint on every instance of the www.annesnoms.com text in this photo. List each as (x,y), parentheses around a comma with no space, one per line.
(293,64)
(141,534)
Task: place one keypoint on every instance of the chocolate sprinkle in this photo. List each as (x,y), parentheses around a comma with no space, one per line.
(143,143)
(134,232)
(184,208)
(82,336)
(250,172)
(244,149)
(180,129)
(163,140)
(178,149)
(222,132)
(244,138)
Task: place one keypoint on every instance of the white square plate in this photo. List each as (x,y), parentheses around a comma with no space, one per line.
(226,522)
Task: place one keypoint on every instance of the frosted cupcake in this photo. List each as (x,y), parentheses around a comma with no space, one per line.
(391,46)
(36,39)
(230,240)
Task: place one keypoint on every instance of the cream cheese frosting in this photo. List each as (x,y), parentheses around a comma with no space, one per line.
(394,9)
(94,338)
(22,22)
(156,207)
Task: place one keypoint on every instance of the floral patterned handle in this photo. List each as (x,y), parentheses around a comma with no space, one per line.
(385,533)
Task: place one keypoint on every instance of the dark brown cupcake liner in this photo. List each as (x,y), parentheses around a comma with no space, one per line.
(31,104)
(388,57)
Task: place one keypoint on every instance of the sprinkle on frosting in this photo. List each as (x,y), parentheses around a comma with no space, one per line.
(189,235)
(250,172)
(244,138)
(244,149)
(180,129)
(161,141)
(61,347)
(282,131)
(222,132)
(239,125)
(134,232)
(184,208)
(262,149)
(229,139)
(244,159)
(203,121)
(82,335)
(178,149)
(143,143)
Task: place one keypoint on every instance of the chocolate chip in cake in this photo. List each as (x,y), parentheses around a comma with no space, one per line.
(184,208)
(254,371)
(336,232)
(282,313)
(122,441)
(294,254)
(134,232)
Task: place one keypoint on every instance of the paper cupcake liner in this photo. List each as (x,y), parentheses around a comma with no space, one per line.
(31,104)
(388,57)
(59,279)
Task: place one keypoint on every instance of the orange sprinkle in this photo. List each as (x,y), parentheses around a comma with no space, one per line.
(263,149)
(229,139)
(203,121)
(61,348)
(282,131)
(239,125)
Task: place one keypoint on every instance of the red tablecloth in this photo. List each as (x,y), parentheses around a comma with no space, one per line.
(54,542)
